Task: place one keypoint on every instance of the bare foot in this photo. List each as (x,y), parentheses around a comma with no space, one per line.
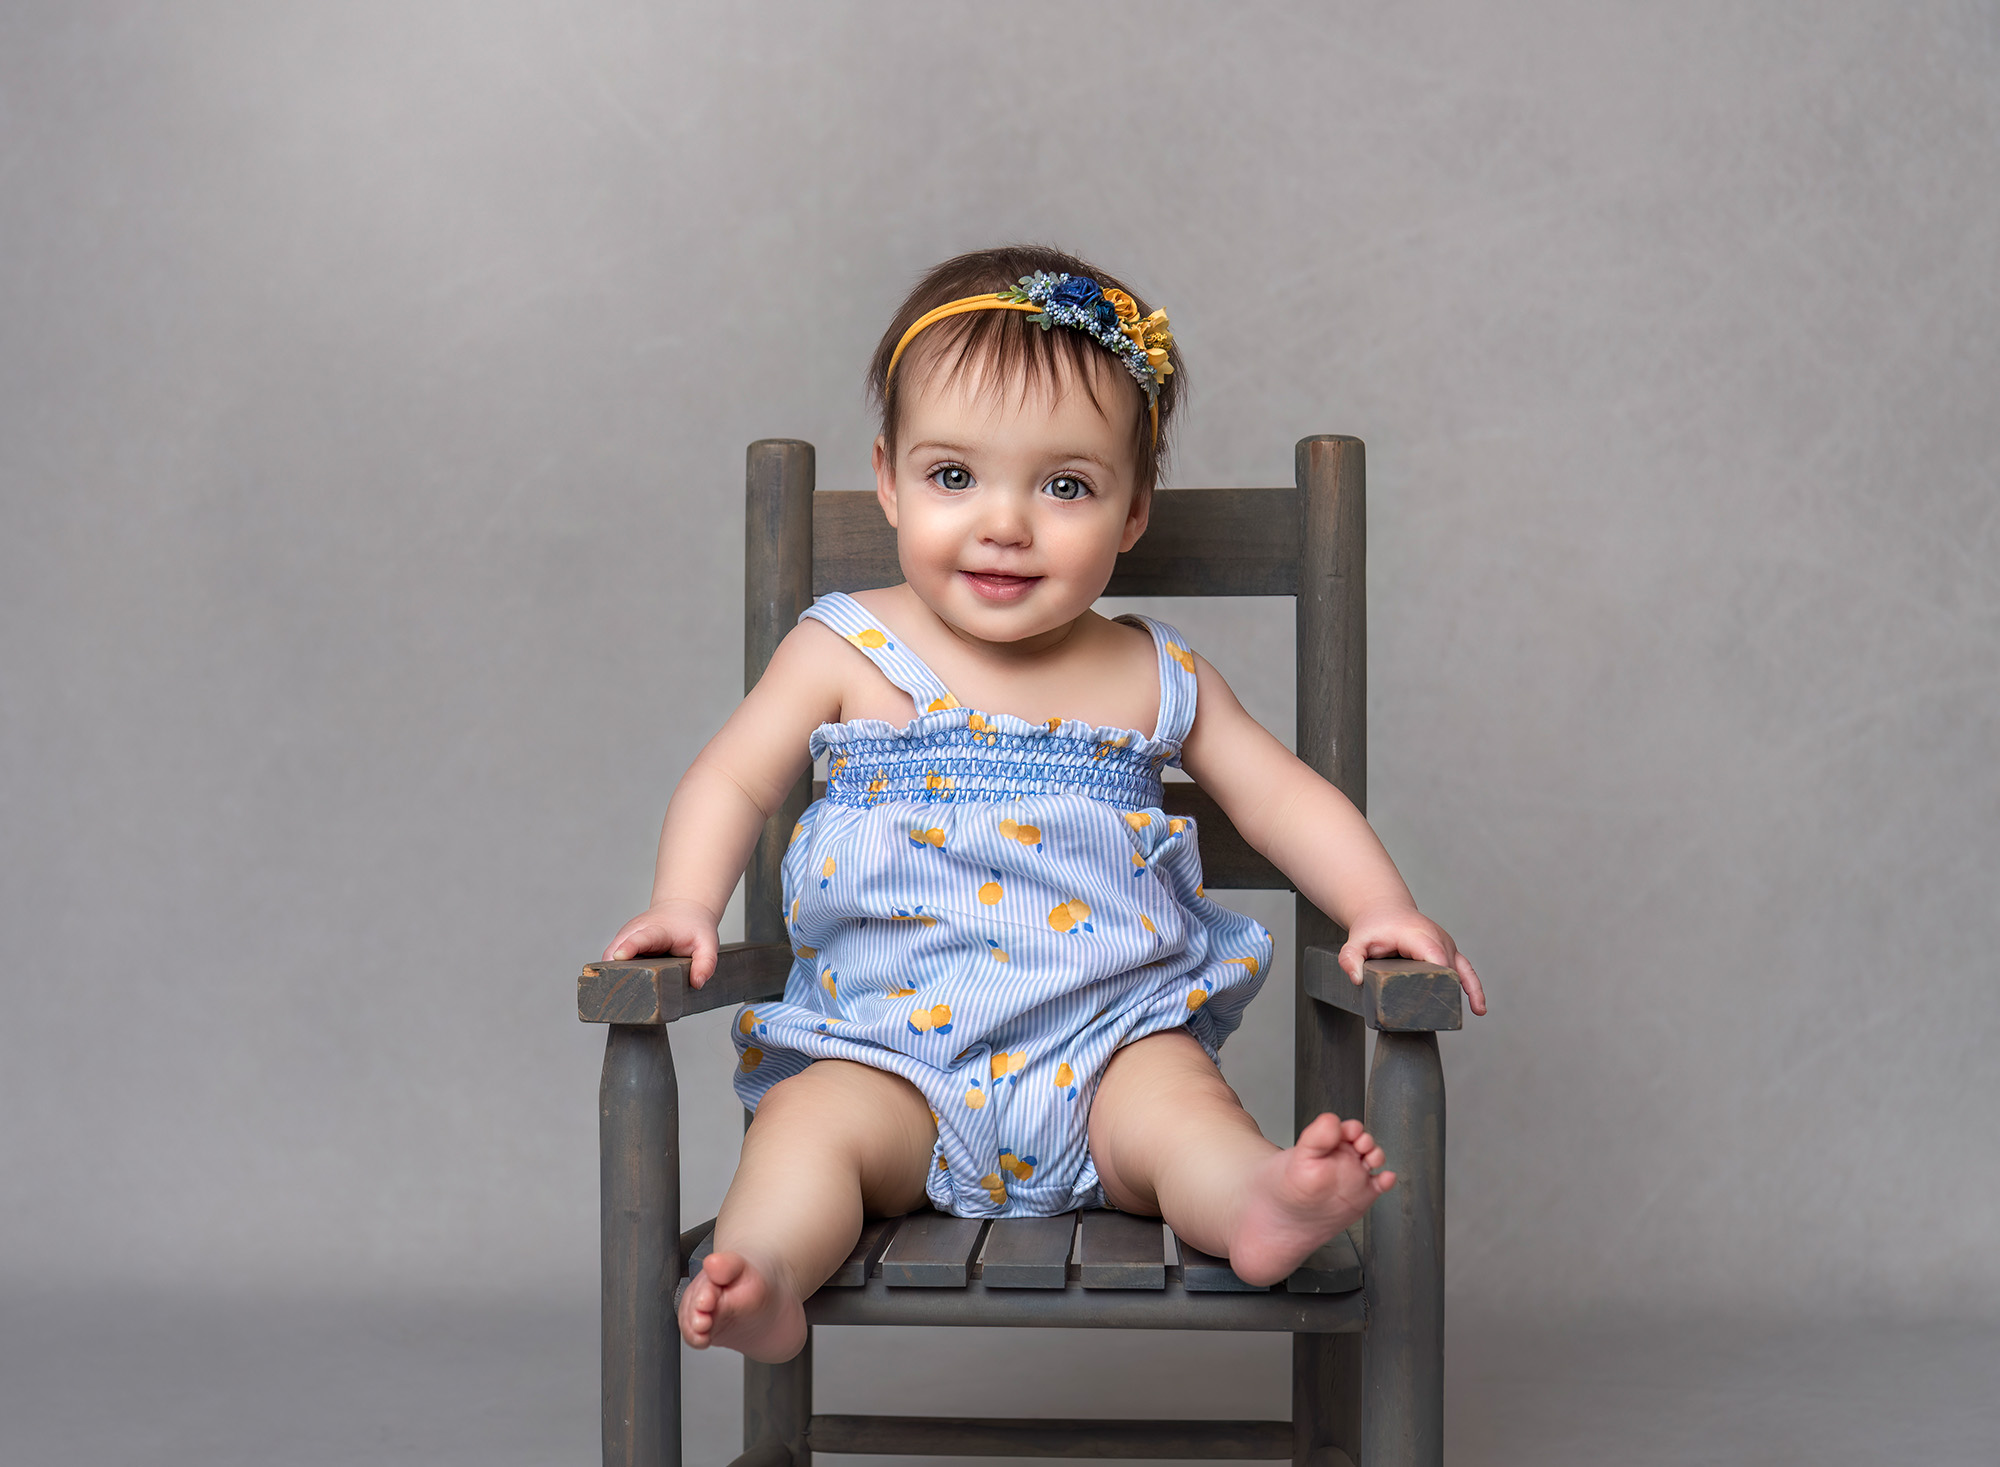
(1302,1197)
(733,1303)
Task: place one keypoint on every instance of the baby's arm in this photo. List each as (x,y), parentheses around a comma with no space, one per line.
(1311,831)
(722,802)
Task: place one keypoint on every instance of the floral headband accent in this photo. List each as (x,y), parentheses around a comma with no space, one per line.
(1108,317)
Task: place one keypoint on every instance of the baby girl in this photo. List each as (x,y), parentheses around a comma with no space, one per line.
(1010,988)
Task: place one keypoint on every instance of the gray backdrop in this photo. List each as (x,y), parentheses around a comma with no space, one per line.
(374,384)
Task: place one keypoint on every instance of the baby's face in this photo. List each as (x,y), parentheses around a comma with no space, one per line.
(1011,510)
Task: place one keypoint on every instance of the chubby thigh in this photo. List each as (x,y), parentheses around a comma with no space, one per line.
(833,1143)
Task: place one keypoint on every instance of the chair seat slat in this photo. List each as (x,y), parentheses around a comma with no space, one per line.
(1028,1252)
(1204,1273)
(931,1251)
(853,1273)
(1332,1268)
(1119,1250)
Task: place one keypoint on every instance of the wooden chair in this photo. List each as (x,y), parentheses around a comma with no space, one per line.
(1366,1313)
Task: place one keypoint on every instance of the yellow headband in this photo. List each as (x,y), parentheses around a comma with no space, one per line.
(1108,317)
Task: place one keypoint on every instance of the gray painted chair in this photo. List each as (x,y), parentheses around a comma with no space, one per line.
(1366,1313)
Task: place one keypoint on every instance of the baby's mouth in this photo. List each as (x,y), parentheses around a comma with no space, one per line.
(998,586)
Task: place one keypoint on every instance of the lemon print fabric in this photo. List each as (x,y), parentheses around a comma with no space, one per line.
(990,906)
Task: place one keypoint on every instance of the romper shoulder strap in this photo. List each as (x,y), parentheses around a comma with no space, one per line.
(1177,684)
(899,664)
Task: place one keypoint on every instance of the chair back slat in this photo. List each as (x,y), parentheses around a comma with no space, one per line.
(1199,542)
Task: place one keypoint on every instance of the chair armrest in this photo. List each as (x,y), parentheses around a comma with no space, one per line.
(1395,995)
(656,990)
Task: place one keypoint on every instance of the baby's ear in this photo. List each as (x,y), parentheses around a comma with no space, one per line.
(1137,514)
(885,481)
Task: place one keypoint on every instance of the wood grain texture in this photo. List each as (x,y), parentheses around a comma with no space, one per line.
(777,587)
(1121,1250)
(1014,1436)
(931,1250)
(1204,1273)
(1330,640)
(1028,1252)
(656,990)
(1332,1268)
(1403,1362)
(1199,542)
(1395,995)
(1173,1307)
(638,1108)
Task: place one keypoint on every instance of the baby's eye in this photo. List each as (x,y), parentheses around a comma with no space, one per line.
(1066,486)
(952,476)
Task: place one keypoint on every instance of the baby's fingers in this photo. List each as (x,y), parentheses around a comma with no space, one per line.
(701,966)
(1475,992)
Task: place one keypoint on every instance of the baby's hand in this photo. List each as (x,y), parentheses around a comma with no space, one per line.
(1407,933)
(681,928)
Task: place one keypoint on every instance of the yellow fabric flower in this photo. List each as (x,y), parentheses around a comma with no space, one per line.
(1123,304)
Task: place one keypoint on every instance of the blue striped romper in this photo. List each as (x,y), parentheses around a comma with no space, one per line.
(990,908)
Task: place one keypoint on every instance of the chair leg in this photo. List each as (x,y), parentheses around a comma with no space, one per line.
(638,1109)
(1402,1368)
(777,1404)
(1326,1399)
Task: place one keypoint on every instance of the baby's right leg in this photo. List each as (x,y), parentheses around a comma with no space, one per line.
(831,1143)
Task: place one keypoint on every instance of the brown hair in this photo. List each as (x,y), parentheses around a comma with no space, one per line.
(1011,347)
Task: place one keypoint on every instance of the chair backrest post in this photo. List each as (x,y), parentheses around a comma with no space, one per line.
(1331,644)
(777,586)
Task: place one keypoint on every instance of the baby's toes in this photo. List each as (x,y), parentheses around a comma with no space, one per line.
(1323,1135)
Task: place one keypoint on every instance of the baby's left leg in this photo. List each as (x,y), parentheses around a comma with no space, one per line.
(1171,1138)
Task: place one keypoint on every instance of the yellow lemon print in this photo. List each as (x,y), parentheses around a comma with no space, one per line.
(936,783)
(996,1187)
(1181,655)
(797,831)
(916,915)
(1138,819)
(830,981)
(752,1057)
(1071,916)
(746,1022)
(999,955)
(935,1020)
(975,1098)
(1138,863)
(878,784)
(870,638)
(1175,827)
(1065,1076)
(1109,744)
(982,731)
(795,911)
(1198,891)
(1022,1167)
(1250,963)
(900,992)
(826,873)
(1147,923)
(990,893)
(1052,724)
(1196,998)
(1004,1064)
(931,837)
(1027,835)
(837,763)
(808,953)
(938,705)
(944,1162)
